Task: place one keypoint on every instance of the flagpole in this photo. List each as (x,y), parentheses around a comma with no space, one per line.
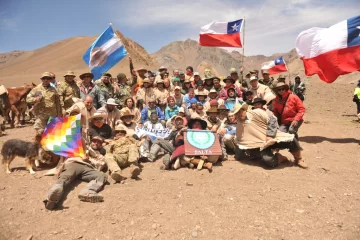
(243,47)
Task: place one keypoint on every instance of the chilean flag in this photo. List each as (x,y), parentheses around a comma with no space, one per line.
(221,34)
(276,66)
(331,52)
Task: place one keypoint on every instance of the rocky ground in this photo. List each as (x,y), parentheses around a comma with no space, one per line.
(235,201)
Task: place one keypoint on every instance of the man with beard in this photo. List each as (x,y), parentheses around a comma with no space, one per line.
(113,114)
(168,144)
(127,122)
(145,93)
(105,86)
(68,90)
(122,156)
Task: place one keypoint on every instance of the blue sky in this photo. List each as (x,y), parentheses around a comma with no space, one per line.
(271,25)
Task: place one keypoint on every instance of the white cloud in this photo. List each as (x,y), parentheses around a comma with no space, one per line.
(271,26)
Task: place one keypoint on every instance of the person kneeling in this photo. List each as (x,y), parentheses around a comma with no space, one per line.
(257,136)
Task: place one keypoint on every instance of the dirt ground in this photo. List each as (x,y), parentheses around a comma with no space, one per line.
(235,201)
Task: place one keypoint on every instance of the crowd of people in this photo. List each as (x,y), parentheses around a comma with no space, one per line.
(253,118)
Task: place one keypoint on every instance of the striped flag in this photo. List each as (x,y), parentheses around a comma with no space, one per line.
(62,136)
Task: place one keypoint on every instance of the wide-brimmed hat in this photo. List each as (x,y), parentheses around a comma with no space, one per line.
(146,80)
(213,90)
(223,107)
(258,100)
(141,69)
(70,73)
(228,78)
(265,71)
(238,107)
(212,110)
(269,97)
(46,75)
(98,115)
(82,76)
(196,74)
(195,117)
(181,110)
(126,113)
(178,117)
(233,70)
(111,101)
(202,93)
(120,128)
(281,76)
(162,68)
(177,88)
(281,84)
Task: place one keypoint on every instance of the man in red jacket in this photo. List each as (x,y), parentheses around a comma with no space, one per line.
(288,108)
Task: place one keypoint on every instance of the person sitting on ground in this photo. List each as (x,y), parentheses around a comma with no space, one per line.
(98,127)
(113,114)
(185,86)
(200,111)
(172,109)
(122,156)
(257,137)
(130,106)
(289,109)
(168,144)
(227,132)
(212,120)
(152,123)
(95,153)
(192,107)
(145,113)
(217,85)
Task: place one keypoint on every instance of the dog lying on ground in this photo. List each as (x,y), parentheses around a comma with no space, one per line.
(16,147)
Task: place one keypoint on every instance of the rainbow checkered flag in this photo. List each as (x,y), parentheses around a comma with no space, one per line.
(62,136)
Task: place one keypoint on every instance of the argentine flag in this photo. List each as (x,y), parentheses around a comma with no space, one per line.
(104,53)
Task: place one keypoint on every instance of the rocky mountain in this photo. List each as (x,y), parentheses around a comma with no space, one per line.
(181,54)
(18,67)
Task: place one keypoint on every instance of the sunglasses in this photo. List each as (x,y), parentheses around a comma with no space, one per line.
(281,89)
(47,78)
(98,119)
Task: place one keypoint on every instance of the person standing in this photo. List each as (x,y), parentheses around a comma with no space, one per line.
(298,88)
(46,102)
(356,99)
(67,91)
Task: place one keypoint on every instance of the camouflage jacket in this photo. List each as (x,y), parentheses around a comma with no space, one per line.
(49,104)
(123,92)
(121,145)
(106,89)
(67,91)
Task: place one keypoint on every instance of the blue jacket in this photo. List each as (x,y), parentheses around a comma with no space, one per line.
(171,111)
(145,114)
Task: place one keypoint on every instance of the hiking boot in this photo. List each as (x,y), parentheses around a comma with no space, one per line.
(208,166)
(135,172)
(92,197)
(117,177)
(298,160)
(54,196)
